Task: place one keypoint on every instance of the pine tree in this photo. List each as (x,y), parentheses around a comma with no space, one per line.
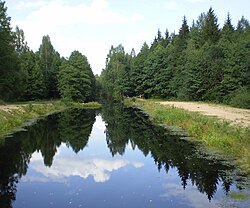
(228,28)
(210,32)
(243,25)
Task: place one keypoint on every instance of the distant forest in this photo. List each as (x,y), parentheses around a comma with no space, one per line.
(27,75)
(201,63)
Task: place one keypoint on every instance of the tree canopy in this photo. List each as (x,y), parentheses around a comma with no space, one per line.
(29,75)
(202,62)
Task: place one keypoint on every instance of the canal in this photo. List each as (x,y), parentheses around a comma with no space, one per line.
(110,158)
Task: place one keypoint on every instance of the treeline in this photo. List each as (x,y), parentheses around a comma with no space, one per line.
(202,62)
(28,75)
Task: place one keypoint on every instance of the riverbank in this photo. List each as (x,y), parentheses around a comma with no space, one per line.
(222,136)
(13,116)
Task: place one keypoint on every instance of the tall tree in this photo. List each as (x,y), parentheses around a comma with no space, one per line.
(80,62)
(138,75)
(34,82)
(20,43)
(210,32)
(115,78)
(8,58)
(73,80)
(50,65)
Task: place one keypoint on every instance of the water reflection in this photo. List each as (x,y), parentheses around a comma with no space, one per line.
(58,149)
(72,127)
(65,167)
(168,151)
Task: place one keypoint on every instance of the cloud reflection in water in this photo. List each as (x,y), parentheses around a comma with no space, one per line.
(67,166)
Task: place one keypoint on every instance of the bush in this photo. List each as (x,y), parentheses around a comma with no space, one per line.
(241,98)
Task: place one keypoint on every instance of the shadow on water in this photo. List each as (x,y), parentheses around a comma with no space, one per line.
(72,127)
(124,126)
(205,171)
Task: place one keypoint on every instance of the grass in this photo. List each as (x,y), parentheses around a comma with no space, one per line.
(14,118)
(231,140)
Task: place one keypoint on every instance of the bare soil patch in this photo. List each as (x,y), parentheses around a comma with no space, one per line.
(235,116)
(9,107)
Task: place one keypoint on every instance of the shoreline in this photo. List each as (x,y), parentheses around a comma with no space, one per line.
(215,134)
(13,116)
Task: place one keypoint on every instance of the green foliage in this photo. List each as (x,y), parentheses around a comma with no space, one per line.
(202,62)
(26,75)
(9,73)
(50,62)
(73,79)
(241,98)
(34,78)
(115,78)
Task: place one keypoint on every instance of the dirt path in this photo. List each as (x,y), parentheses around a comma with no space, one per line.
(233,115)
(9,107)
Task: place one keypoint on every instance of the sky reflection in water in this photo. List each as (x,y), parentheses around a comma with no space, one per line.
(113,170)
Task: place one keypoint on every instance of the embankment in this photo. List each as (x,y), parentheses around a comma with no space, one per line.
(215,133)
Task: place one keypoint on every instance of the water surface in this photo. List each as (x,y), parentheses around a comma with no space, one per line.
(114,158)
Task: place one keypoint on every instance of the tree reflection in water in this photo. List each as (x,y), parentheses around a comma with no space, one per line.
(124,126)
(168,151)
(72,127)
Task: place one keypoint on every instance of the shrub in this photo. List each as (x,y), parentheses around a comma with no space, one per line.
(241,98)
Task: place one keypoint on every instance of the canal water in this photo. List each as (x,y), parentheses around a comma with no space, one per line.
(112,158)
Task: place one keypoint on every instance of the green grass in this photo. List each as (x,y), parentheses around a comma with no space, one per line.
(92,105)
(231,140)
(15,118)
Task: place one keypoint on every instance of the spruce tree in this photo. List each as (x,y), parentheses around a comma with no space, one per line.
(210,32)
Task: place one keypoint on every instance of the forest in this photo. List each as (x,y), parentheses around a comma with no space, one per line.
(201,63)
(27,75)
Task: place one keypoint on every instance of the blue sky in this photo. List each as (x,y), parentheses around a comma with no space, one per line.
(92,26)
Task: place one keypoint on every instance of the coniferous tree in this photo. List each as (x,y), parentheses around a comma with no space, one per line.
(8,58)
(210,32)
(138,75)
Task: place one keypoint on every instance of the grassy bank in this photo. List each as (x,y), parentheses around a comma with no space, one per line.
(13,116)
(230,140)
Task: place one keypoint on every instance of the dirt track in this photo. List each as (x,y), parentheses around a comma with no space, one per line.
(9,107)
(233,115)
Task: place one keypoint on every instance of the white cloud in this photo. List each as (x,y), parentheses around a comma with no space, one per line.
(63,167)
(70,26)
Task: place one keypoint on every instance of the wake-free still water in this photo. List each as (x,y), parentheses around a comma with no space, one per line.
(110,159)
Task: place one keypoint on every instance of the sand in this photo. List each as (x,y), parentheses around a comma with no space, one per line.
(235,116)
